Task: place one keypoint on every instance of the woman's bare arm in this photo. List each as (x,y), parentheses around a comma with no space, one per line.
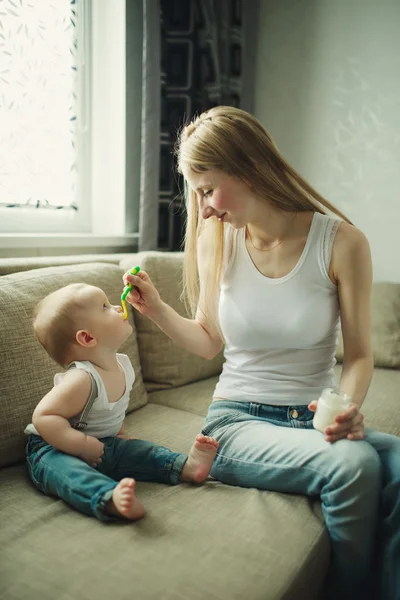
(352,271)
(352,267)
(194,335)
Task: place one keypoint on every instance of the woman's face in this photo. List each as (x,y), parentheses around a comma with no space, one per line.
(222,196)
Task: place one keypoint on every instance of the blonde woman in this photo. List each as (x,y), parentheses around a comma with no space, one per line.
(270,266)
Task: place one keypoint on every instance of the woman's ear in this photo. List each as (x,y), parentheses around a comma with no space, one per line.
(85,339)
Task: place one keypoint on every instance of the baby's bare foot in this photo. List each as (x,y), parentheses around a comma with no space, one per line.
(124,502)
(200,460)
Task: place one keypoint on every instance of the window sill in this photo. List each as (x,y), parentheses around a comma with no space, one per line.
(40,240)
(15,245)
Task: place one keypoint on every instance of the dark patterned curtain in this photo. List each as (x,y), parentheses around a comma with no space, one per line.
(202,57)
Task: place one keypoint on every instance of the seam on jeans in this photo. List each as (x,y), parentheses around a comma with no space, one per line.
(269,464)
(70,482)
(98,505)
(35,481)
(142,471)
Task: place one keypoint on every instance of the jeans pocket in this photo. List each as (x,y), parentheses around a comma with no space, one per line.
(215,422)
(36,471)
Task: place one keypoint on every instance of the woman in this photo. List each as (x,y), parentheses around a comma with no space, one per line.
(267,274)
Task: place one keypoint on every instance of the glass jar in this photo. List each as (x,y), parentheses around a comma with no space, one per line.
(330,404)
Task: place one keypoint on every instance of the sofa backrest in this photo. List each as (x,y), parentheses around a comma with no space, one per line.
(16,265)
(385,326)
(26,371)
(164,364)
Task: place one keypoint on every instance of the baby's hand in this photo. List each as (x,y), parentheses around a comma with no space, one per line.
(93,451)
(123,436)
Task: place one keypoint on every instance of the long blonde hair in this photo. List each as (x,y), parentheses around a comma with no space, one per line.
(233,141)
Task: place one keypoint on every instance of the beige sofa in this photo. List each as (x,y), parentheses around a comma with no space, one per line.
(212,541)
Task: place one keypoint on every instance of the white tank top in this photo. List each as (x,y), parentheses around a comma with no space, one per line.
(280,334)
(105,418)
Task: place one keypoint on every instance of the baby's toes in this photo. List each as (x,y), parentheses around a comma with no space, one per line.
(212,441)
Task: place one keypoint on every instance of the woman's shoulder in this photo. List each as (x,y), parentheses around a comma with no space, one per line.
(350,248)
(350,238)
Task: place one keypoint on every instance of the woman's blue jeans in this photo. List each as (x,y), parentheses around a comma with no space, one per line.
(276,448)
(88,489)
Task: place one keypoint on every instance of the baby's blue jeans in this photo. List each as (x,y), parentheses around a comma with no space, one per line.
(88,489)
(276,448)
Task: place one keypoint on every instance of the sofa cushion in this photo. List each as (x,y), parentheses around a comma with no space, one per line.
(164,364)
(26,371)
(385,325)
(193,397)
(195,541)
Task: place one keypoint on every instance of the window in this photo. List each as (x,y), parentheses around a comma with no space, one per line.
(41,138)
(62,120)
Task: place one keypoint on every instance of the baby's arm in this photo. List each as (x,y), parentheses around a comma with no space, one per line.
(51,416)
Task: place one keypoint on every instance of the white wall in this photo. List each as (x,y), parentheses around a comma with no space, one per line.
(328,90)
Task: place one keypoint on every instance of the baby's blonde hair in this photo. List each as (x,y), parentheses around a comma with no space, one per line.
(56,319)
(233,141)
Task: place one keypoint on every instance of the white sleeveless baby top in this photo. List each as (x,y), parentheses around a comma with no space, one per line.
(105,418)
(280,334)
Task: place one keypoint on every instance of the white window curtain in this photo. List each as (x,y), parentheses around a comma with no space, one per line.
(38,91)
(40,86)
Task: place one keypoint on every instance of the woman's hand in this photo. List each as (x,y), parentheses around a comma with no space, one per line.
(143,296)
(349,424)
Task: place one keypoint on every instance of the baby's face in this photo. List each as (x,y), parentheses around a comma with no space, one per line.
(106,322)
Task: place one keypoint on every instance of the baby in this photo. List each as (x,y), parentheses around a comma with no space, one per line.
(77,449)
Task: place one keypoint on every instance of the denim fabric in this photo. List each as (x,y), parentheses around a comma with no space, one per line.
(276,448)
(89,489)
